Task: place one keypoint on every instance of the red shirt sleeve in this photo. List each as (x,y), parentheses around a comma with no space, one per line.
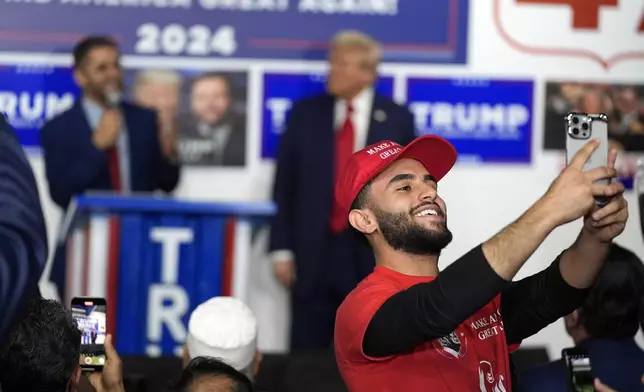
(353,318)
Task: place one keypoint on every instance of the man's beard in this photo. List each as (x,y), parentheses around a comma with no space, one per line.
(403,233)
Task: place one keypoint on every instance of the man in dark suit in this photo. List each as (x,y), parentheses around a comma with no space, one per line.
(212,134)
(605,327)
(102,142)
(313,251)
(23,236)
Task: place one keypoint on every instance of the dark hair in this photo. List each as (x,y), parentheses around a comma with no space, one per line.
(213,75)
(362,199)
(201,368)
(613,308)
(42,351)
(87,44)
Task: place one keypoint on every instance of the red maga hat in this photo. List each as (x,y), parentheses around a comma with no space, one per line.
(435,153)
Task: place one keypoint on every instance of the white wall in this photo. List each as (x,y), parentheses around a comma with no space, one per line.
(482,199)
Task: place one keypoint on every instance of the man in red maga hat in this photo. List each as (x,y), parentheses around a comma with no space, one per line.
(407,326)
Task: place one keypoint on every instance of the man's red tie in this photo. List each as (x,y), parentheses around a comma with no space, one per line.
(344,144)
(113,166)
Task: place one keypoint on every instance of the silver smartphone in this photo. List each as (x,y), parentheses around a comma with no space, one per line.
(582,128)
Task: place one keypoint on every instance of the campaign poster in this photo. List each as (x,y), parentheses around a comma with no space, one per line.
(410,31)
(31,94)
(282,90)
(206,109)
(623,104)
(487,120)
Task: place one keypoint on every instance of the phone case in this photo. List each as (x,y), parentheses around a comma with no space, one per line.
(582,128)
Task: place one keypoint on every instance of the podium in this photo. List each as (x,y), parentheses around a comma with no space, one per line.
(155,259)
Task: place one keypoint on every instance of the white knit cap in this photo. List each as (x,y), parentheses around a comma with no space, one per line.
(225,328)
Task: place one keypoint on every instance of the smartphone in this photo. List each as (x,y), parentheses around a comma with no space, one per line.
(582,128)
(90,314)
(579,371)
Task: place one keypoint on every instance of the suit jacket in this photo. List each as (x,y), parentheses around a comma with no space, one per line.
(23,236)
(234,153)
(74,165)
(618,363)
(304,179)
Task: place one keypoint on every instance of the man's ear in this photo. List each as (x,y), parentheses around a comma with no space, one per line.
(79,78)
(363,220)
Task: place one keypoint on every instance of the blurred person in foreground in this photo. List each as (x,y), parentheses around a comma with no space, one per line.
(160,90)
(605,326)
(208,374)
(102,143)
(224,328)
(23,235)
(314,254)
(43,354)
(407,326)
(212,133)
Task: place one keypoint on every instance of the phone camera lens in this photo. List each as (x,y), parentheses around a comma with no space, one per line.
(584,126)
(575,131)
(575,120)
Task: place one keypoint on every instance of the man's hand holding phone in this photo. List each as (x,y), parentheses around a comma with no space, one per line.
(572,194)
(111,378)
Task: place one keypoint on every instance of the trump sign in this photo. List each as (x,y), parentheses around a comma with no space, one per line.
(282,90)
(604,31)
(486,120)
(30,95)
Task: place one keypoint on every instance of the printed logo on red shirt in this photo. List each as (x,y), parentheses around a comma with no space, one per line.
(487,381)
(451,346)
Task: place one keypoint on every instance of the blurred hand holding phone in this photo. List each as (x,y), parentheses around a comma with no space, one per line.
(111,378)
(579,370)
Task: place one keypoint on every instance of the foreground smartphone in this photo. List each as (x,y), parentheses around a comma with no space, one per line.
(579,370)
(90,315)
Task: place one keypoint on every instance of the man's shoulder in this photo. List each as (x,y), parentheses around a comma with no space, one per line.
(138,110)
(390,105)
(61,118)
(372,292)
(312,102)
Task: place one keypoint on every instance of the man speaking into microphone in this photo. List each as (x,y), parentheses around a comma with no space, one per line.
(103,143)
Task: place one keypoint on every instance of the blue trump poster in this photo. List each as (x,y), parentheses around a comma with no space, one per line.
(410,31)
(31,95)
(281,90)
(486,120)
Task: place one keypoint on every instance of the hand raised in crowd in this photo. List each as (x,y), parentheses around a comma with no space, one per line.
(607,222)
(284,271)
(111,378)
(572,194)
(108,129)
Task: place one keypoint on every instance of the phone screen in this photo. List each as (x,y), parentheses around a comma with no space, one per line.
(90,316)
(580,371)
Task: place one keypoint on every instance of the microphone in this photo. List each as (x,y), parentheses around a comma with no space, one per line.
(639,187)
(113,98)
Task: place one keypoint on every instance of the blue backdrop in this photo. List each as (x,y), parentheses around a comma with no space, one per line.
(281,90)
(486,120)
(30,95)
(416,31)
